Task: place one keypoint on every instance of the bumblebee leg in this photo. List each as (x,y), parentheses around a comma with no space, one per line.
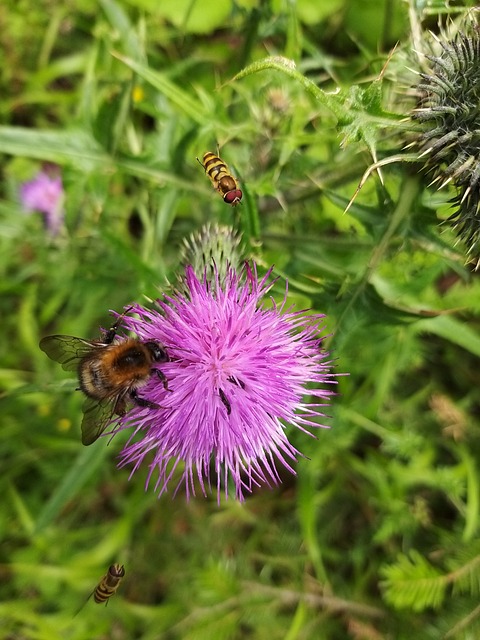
(112,332)
(142,402)
(225,401)
(163,378)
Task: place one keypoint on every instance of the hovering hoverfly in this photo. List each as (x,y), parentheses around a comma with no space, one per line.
(221,178)
(107,587)
(110,373)
(109,584)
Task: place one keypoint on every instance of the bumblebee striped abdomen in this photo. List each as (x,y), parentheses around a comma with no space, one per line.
(108,585)
(222,179)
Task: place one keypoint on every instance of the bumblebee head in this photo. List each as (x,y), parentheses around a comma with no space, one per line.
(158,352)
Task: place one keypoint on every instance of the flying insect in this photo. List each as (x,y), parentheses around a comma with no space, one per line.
(221,178)
(109,584)
(110,372)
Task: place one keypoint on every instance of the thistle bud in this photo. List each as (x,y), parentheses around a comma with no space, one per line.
(450,142)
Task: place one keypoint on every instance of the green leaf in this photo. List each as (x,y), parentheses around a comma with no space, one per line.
(451,329)
(189,16)
(413,583)
(86,464)
(121,22)
(74,147)
(363,115)
(180,98)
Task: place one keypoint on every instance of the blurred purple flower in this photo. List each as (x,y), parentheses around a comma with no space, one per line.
(237,378)
(45,194)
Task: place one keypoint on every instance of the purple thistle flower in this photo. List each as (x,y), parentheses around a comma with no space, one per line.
(45,194)
(236,378)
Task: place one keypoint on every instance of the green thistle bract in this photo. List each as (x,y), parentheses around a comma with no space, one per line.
(211,249)
(450,111)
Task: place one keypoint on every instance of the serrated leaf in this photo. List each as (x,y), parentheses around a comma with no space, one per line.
(413,583)
(361,120)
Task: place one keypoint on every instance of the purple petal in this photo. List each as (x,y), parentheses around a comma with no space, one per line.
(223,342)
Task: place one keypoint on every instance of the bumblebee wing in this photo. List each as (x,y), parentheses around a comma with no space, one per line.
(96,416)
(67,350)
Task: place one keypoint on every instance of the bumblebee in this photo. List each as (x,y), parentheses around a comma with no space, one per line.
(110,373)
(222,179)
(109,584)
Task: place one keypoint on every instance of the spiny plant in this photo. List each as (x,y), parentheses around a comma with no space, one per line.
(450,142)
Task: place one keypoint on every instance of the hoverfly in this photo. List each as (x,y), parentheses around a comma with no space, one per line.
(109,584)
(107,587)
(221,178)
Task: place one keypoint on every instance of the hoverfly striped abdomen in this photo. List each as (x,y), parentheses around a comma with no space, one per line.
(109,584)
(221,178)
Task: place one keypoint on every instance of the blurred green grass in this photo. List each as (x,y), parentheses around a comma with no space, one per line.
(376,535)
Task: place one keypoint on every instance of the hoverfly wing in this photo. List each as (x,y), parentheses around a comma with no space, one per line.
(84,604)
(67,350)
(96,416)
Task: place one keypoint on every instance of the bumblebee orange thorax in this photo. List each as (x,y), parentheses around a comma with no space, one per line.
(109,369)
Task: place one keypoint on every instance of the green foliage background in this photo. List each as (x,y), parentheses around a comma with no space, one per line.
(377,535)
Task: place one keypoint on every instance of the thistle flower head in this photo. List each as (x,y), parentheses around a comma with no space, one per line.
(212,252)
(237,381)
(450,142)
(45,194)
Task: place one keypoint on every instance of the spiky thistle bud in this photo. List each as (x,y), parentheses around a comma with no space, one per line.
(450,143)
(212,251)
